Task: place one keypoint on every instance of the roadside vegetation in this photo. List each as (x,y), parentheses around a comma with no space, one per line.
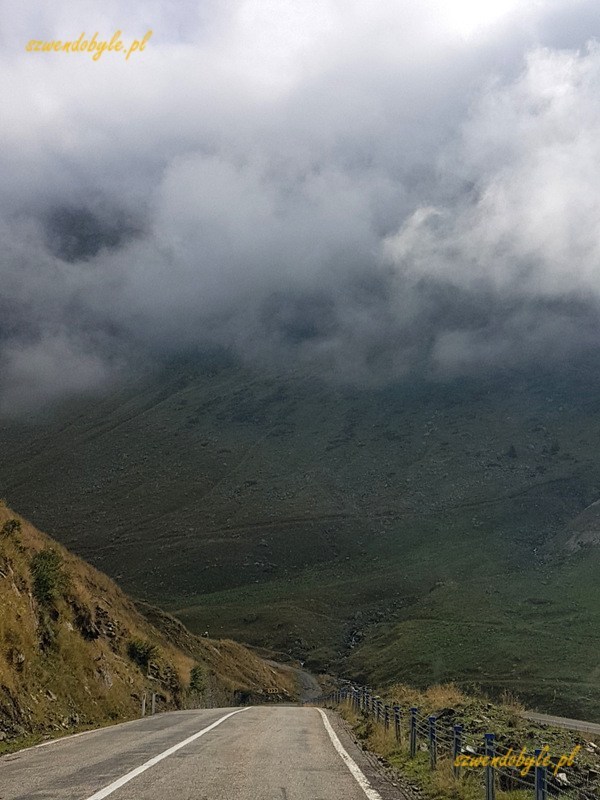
(75,652)
(478,715)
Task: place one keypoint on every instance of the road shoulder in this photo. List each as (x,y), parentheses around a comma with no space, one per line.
(381,778)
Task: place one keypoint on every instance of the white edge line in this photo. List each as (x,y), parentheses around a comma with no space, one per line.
(110,727)
(356,771)
(143,767)
(54,741)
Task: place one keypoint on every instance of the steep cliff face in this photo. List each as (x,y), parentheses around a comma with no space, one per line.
(75,651)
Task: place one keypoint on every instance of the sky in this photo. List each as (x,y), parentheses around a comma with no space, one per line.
(359,190)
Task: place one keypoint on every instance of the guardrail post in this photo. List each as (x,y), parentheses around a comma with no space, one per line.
(153,702)
(386,717)
(540,779)
(490,782)
(144,705)
(377,710)
(397,730)
(413,732)
(432,743)
(457,749)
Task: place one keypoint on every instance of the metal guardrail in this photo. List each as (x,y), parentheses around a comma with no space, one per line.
(414,732)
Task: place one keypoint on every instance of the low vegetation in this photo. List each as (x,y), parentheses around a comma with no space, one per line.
(141,652)
(75,652)
(49,579)
(478,715)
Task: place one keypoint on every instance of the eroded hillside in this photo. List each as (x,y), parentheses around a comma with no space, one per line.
(75,651)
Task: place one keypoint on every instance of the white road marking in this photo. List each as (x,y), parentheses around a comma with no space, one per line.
(138,770)
(356,771)
(63,739)
(60,739)
(52,741)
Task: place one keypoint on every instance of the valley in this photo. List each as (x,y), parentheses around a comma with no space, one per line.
(412,532)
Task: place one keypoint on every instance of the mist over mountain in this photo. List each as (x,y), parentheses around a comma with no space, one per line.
(359,193)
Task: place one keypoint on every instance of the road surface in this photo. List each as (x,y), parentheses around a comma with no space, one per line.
(562,722)
(310,689)
(254,753)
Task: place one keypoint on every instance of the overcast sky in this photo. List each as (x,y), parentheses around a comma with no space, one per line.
(356,188)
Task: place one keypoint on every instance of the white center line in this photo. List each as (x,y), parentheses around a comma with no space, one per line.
(138,770)
(356,771)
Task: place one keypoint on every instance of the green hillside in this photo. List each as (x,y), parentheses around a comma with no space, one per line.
(411,532)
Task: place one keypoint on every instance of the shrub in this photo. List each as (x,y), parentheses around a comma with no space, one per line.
(197,679)
(11,527)
(141,652)
(48,576)
(169,677)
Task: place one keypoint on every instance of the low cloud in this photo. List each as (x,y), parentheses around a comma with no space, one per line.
(355,191)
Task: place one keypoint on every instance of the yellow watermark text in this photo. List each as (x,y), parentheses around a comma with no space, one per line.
(525,763)
(94,46)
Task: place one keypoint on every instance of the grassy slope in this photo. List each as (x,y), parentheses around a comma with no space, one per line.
(477,716)
(64,659)
(387,532)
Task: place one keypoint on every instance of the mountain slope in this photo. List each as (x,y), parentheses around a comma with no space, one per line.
(396,531)
(75,651)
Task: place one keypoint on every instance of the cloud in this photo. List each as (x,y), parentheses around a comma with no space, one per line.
(50,367)
(353,189)
(526,233)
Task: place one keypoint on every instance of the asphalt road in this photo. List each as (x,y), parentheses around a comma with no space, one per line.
(563,722)
(257,753)
(310,689)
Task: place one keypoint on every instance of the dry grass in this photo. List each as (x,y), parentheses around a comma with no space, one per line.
(438,784)
(64,662)
(57,673)
(511,702)
(444,785)
(234,667)
(382,741)
(446,695)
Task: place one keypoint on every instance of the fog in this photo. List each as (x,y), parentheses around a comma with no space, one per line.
(357,190)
